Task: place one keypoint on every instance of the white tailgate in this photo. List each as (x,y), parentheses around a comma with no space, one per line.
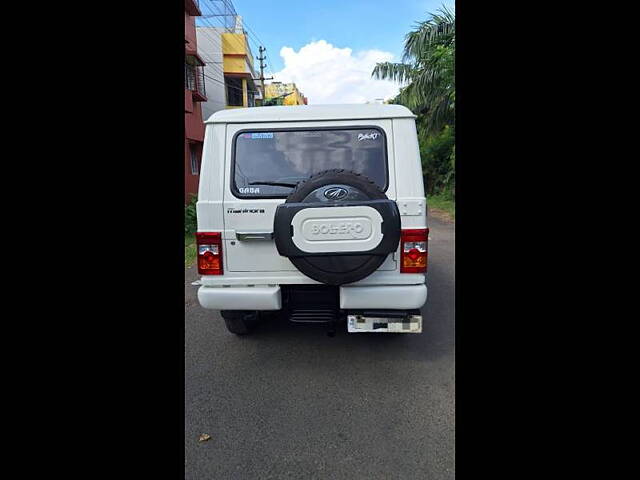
(252,255)
(256,215)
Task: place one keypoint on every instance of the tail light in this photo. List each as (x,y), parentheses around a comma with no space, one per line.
(209,253)
(413,250)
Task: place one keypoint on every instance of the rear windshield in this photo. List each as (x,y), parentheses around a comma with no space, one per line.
(270,163)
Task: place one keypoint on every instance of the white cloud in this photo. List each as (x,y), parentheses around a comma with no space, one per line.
(328,74)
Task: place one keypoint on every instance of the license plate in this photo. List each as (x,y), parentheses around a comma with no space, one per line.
(360,324)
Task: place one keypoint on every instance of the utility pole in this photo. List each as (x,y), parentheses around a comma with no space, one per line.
(261,49)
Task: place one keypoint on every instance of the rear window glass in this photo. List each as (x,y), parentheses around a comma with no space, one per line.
(270,163)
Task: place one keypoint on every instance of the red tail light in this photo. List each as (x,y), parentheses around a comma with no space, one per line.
(209,253)
(413,250)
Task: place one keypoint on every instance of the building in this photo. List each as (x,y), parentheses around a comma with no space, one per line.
(229,72)
(278,93)
(194,95)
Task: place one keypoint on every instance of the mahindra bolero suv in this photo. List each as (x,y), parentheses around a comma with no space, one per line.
(315,212)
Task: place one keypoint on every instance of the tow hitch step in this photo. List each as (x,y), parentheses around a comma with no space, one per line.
(313,315)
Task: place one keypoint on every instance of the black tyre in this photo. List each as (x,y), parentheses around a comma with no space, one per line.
(362,187)
(333,188)
(240,322)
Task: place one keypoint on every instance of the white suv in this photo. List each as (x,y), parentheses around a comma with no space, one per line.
(317,212)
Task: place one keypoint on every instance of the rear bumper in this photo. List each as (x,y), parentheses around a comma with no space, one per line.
(399,297)
(377,278)
(240,298)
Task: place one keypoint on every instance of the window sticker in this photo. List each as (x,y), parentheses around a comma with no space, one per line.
(368,136)
(258,135)
(261,135)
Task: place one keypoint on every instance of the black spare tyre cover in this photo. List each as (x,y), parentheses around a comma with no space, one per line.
(337,227)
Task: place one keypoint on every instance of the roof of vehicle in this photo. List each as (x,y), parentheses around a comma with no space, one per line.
(297,113)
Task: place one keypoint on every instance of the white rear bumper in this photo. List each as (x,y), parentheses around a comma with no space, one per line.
(397,297)
(240,298)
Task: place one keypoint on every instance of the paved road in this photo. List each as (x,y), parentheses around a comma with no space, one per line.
(291,402)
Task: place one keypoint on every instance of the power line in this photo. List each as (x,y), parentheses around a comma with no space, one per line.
(250,36)
(221,71)
(257,39)
(217,16)
(206,34)
(250,33)
(214,63)
(204,20)
(227,85)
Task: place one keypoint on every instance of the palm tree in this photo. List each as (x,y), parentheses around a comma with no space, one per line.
(427,69)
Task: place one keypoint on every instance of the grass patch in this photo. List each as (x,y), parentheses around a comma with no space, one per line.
(189,249)
(444,203)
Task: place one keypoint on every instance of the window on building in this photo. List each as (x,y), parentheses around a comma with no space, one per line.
(189,77)
(234,91)
(195,167)
(194,75)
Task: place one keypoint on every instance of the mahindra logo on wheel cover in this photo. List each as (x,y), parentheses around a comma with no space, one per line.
(335,193)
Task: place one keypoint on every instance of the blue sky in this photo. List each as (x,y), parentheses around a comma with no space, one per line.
(356,35)
(357,24)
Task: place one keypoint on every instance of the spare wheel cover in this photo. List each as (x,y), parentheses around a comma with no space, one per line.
(337,227)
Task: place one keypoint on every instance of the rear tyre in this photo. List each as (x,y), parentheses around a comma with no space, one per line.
(240,322)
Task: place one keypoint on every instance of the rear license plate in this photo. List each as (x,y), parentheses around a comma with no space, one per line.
(360,324)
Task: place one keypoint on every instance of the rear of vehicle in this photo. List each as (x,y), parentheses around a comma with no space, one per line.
(314,211)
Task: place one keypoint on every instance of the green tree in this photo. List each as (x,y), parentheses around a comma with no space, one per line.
(428,71)
(190,217)
(438,166)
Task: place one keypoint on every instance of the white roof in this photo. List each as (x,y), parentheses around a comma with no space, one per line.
(293,113)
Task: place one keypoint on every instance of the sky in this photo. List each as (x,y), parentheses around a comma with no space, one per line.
(329,47)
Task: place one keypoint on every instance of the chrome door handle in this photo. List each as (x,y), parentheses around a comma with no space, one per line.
(254,235)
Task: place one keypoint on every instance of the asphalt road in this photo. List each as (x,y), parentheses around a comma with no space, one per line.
(290,402)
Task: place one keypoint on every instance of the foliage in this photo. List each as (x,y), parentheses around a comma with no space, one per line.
(443,203)
(189,250)
(428,72)
(438,162)
(190,219)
